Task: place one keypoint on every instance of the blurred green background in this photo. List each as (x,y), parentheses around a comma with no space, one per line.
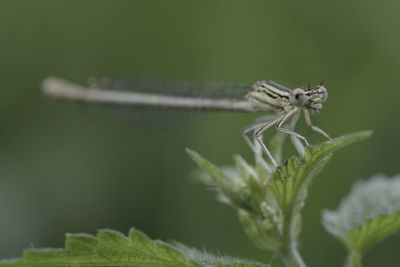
(63,169)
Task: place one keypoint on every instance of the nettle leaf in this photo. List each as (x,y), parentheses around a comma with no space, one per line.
(290,187)
(231,182)
(111,248)
(267,203)
(264,232)
(369,214)
(204,258)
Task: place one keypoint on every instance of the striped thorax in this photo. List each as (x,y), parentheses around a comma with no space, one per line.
(270,96)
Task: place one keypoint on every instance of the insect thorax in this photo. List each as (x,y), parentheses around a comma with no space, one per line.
(269,96)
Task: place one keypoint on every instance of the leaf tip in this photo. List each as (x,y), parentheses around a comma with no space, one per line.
(360,135)
(193,154)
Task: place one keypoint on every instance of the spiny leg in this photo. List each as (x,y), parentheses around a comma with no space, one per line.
(248,129)
(313,127)
(254,149)
(295,141)
(265,119)
(288,131)
(254,128)
(258,137)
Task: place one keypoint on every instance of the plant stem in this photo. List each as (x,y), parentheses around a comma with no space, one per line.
(292,257)
(354,259)
(290,254)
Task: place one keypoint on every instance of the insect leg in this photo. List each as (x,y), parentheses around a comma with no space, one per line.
(313,127)
(288,131)
(258,137)
(298,145)
(264,119)
(253,146)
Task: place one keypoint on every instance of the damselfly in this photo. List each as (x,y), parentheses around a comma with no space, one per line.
(263,96)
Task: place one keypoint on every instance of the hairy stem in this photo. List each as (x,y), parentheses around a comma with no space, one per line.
(290,254)
(354,259)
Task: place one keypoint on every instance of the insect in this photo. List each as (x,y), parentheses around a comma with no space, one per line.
(263,96)
(287,104)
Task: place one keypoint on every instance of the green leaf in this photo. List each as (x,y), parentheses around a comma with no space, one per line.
(269,205)
(290,189)
(208,259)
(111,248)
(369,214)
(228,181)
(263,232)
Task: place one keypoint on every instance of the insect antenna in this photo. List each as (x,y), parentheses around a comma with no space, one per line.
(309,85)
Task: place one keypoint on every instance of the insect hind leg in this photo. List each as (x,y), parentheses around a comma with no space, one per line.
(313,127)
(258,128)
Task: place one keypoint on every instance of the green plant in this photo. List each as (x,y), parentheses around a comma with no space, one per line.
(369,214)
(269,209)
(269,205)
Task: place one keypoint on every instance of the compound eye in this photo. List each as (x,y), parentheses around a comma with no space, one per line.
(323,93)
(298,97)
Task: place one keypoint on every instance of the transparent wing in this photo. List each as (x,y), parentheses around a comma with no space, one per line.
(139,98)
(211,90)
(278,86)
